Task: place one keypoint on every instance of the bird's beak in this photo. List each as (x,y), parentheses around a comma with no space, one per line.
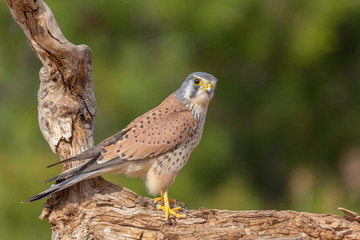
(207,88)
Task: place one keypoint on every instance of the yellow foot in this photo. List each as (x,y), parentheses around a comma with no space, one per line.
(173,201)
(166,208)
(171,211)
(158,199)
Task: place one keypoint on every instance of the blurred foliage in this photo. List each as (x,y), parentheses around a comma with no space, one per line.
(282,131)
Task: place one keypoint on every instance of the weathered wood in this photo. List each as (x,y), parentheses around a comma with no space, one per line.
(350,215)
(109,212)
(66,102)
(97,209)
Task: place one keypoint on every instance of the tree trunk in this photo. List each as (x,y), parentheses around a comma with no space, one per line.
(97,209)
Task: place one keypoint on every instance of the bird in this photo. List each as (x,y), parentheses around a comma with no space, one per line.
(154,146)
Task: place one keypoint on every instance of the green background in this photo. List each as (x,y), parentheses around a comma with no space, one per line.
(282,131)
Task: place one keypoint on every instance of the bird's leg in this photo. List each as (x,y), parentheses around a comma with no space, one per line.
(166,208)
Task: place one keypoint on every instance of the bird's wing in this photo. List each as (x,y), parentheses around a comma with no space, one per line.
(149,135)
(153,133)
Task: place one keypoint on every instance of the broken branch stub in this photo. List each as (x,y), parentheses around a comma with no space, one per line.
(66,101)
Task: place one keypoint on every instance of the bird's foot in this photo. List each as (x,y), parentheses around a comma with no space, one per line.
(171,211)
(179,204)
(155,201)
(173,201)
(167,209)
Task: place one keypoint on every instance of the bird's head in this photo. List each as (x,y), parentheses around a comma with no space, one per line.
(198,88)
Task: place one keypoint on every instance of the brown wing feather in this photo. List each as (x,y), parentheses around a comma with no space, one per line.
(153,133)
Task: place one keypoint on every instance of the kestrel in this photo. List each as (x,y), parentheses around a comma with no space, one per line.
(155,146)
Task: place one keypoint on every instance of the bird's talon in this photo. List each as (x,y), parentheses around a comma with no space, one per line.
(166,208)
(177,215)
(157,200)
(176,209)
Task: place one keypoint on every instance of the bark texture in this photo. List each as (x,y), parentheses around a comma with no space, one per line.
(97,209)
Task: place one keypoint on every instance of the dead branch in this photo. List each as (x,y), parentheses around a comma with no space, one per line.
(97,209)
(114,212)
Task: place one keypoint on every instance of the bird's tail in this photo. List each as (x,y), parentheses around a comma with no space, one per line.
(60,186)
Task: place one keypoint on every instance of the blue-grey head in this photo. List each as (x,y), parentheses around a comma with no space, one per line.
(198,88)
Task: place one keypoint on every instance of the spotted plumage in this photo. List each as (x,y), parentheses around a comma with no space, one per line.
(155,146)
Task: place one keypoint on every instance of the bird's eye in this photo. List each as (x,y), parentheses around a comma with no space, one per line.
(197,82)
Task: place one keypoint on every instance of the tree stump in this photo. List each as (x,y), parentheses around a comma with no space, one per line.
(98,209)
